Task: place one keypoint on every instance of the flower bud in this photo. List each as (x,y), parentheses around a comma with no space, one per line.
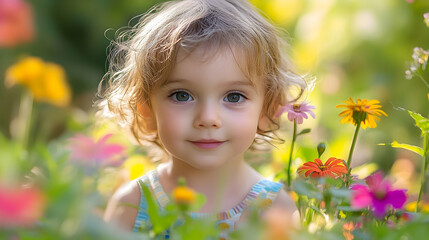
(321,148)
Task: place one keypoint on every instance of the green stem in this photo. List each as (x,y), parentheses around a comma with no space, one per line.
(423,80)
(291,154)
(22,128)
(349,159)
(425,165)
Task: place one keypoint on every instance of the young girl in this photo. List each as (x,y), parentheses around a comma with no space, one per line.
(202,80)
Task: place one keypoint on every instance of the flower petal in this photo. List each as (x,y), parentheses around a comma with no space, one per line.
(397,198)
(318,162)
(291,116)
(379,207)
(299,119)
(374,180)
(361,196)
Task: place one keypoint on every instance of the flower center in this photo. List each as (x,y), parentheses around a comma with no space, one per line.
(380,194)
(296,107)
(359,108)
(359,113)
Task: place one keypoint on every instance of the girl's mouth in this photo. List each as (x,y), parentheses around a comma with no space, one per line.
(207,143)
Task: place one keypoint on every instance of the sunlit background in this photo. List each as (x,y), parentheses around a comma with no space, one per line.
(354,48)
(350,48)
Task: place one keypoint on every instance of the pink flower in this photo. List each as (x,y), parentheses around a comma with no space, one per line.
(378,195)
(16,23)
(426,17)
(88,152)
(297,111)
(20,207)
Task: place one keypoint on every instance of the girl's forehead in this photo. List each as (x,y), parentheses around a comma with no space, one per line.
(206,52)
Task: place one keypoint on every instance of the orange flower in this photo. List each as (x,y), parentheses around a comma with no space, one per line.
(348,228)
(16,23)
(46,81)
(333,168)
(184,195)
(363,111)
(279,224)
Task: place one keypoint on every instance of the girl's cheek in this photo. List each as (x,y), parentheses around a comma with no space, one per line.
(247,121)
(173,119)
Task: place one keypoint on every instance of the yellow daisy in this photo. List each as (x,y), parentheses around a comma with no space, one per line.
(363,111)
(46,81)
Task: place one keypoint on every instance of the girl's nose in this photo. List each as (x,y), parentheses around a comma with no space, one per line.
(207,116)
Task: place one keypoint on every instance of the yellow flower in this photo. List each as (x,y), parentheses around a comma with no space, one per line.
(137,165)
(223,226)
(184,195)
(46,81)
(411,207)
(363,111)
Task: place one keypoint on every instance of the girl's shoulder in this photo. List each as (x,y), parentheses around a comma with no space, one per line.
(285,204)
(276,193)
(283,200)
(122,207)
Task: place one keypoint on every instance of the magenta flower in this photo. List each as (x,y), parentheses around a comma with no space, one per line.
(297,111)
(378,195)
(88,152)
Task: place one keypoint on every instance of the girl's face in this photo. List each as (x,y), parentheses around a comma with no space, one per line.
(207,112)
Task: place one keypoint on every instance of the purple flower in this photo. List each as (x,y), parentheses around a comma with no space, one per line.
(89,152)
(297,111)
(378,195)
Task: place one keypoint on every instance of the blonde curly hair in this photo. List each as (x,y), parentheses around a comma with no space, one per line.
(144,55)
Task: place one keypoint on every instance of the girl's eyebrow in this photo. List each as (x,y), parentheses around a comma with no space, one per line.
(243,82)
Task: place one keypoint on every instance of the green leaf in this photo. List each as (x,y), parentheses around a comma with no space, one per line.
(348,209)
(332,182)
(161,220)
(152,210)
(317,210)
(304,131)
(305,188)
(421,122)
(411,148)
(195,229)
(201,199)
(340,194)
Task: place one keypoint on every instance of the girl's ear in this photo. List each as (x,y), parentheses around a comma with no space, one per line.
(147,117)
(268,119)
(264,123)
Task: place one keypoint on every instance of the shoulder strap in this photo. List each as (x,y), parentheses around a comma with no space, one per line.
(142,216)
(142,219)
(269,192)
(157,190)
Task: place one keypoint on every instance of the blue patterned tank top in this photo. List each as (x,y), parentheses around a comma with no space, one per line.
(264,190)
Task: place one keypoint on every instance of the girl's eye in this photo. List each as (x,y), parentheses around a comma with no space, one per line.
(181,96)
(234,97)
